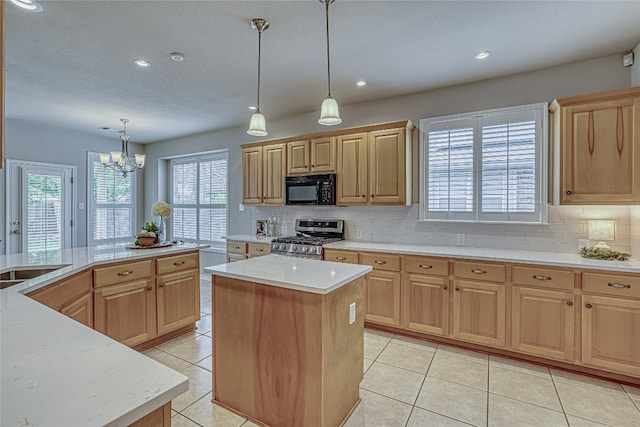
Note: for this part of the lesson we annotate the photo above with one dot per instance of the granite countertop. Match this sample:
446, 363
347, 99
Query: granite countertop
487, 254
315, 276
55, 371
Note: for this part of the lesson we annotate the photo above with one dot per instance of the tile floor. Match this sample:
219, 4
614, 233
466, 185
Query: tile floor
411, 383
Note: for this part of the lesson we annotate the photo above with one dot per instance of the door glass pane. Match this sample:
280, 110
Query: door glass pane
44, 212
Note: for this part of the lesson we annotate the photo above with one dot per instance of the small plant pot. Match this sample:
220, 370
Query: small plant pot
147, 241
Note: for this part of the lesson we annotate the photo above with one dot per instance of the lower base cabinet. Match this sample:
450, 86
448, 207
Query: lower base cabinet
611, 334
178, 300
479, 313
542, 323
427, 304
382, 297
81, 310
126, 312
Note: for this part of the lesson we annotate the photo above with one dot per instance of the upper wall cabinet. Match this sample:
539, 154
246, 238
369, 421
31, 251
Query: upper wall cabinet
596, 148
372, 164
317, 155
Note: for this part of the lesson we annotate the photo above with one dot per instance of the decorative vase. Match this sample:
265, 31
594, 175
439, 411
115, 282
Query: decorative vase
163, 236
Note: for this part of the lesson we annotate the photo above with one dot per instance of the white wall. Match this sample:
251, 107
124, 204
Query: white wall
635, 68
399, 223
25, 140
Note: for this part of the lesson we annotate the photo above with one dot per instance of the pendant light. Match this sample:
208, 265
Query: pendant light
329, 114
120, 160
257, 126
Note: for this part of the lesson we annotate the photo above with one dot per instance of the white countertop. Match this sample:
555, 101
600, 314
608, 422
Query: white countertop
250, 238
319, 277
55, 371
500, 255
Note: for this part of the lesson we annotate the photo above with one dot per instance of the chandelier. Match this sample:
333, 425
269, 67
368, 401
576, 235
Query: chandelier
121, 162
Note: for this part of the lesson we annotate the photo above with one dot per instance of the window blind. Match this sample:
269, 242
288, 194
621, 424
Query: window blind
44, 212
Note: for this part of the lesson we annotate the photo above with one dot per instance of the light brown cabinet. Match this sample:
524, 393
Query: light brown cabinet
258, 249
317, 155
72, 297
239, 250
543, 322
263, 172
382, 288
597, 148
375, 167
341, 256
178, 292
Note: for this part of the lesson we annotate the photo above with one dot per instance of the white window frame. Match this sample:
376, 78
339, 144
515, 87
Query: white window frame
476, 120
91, 206
200, 157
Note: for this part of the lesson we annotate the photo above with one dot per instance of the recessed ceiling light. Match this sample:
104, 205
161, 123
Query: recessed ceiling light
252, 107
30, 5
361, 83
142, 63
177, 56
482, 55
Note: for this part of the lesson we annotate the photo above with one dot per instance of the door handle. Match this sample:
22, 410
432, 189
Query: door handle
16, 231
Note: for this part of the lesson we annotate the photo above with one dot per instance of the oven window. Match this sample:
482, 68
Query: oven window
302, 193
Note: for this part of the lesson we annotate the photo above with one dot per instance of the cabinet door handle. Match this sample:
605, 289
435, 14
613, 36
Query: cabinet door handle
445, 287
569, 192
458, 289
178, 263
569, 303
125, 273
150, 288
535, 276
619, 285
426, 266
588, 305
161, 285
341, 258
373, 195
477, 271
313, 166
363, 196
380, 262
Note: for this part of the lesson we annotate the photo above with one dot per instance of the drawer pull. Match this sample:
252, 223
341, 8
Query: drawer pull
380, 262
569, 303
150, 288
125, 273
426, 266
588, 305
477, 271
341, 258
259, 250
178, 263
535, 276
619, 285
161, 285
236, 247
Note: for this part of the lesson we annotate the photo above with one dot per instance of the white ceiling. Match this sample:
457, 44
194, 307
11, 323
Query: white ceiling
72, 64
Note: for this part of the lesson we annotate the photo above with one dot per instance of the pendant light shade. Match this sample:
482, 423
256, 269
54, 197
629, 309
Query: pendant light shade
329, 113
258, 126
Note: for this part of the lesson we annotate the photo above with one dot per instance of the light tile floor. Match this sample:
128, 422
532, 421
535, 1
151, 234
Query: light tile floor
412, 383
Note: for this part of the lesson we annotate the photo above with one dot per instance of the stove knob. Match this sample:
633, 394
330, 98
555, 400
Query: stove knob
283, 246
312, 249
293, 248
305, 249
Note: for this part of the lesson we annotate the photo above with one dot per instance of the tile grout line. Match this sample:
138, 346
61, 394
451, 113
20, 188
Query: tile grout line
413, 407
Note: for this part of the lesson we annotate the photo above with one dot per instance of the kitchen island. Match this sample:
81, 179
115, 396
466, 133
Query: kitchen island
55, 371
288, 339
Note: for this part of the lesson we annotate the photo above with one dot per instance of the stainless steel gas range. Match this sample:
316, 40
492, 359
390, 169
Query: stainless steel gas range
311, 234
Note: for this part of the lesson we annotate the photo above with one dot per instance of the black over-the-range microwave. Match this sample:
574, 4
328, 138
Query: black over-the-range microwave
310, 189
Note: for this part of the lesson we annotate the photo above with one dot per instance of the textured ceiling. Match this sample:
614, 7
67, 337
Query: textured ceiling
72, 64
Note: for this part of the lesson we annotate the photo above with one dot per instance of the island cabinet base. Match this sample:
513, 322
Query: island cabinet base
284, 357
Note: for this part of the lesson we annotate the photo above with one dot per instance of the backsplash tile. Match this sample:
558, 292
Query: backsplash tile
399, 224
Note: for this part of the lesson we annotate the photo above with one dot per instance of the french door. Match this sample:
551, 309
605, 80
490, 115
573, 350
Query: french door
39, 216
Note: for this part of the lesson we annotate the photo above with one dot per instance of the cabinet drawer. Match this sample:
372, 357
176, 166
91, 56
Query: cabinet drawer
235, 257
341, 256
479, 271
426, 265
57, 295
236, 248
381, 261
259, 249
177, 263
121, 273
542, 276
611, 284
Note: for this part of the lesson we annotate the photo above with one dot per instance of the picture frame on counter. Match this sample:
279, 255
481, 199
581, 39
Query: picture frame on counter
261, 228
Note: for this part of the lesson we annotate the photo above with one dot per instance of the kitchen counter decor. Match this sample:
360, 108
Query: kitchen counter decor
606, 254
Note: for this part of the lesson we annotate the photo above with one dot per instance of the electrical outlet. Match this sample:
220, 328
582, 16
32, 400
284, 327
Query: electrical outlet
460, 239
241, 207
583, 243
352, 313
359, 233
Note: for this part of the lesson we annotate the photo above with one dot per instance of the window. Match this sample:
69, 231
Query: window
199, 199
111, 205
486, 166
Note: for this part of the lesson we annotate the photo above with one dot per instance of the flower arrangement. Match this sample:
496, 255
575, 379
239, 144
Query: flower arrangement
149, 234
161, 209
607, 254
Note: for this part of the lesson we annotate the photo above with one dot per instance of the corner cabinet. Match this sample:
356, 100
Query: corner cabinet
596, 152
